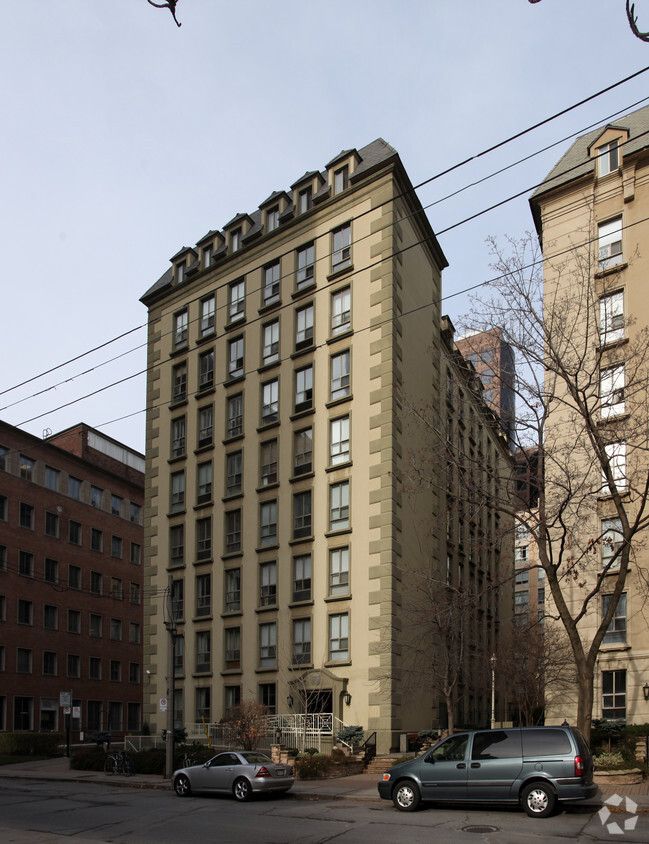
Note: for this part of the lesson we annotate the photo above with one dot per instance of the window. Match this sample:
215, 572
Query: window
233, 531
616, 631
51, 571
134, 593
115, 505
116, 591
611, 317
616, 454
96, 582
135, 513
304, 389
116, 545
341, 179
51, 524
237, 300
301, 641
339, 506
235, 240
25, 564
134, 717
206, 370
96, 540
342, 250
611, 391
235, 358
268, 644
94, 668
3, 608
614, 694
181, 326
521, 553
232, 696
270, 342
268, 584
115, 630
204, 538
303, 451
177, 492
304, 327
74, 621
268, 463
136, 554
497, 744
179, 656
272, 218
609, 242
178, 438
74, 577
25, 612
268, 523
305, 266
305, 199
74, 488
340, 375
205, 426
233, 647
177, 544
179, 382
268, 697
339, 637
271, 283
270, 402
302, 515
341, 314
522, 577
204, 594
339, 441
96, 495
52, 478
339, 571
178, 600
95, 710
611, 542
204, 483
3, 558
608, 159
302, 577
26, 468
74, 533
94, 625
234, 415
180, 273
134, 633
74, 665
208, 308
233, 590
4, 514
24, 661
50, 617
26, 516
134, 672
203, 704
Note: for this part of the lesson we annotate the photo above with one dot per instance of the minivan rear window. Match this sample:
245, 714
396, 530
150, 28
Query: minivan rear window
497, 744
546, 742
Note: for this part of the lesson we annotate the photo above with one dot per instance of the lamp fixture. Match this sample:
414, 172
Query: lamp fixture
347, 698
645, 691
289, 701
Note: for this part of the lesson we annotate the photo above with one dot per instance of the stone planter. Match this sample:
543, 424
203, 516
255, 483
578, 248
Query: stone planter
633, 776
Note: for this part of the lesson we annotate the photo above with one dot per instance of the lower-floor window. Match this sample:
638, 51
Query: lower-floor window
23, 713
339, 637
95, 715
134, 716
232, 697
268, 697
614, 694
203, 705
49, 711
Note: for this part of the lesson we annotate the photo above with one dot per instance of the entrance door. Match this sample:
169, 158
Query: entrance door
319, 701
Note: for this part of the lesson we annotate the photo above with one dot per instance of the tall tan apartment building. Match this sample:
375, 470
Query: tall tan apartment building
279, 524
591, 214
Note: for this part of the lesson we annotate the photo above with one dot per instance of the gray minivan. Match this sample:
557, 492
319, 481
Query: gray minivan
533, 766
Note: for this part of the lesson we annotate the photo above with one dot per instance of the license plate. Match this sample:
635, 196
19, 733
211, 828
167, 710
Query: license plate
280, 772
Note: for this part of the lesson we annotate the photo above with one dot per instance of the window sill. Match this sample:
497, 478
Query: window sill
179, 350
233, 439
338, 532
612, 270
269, 306
265, 669
205, 338
198, 618
265, 367
301, 604
613, 647
332, 599
204, 391
613, 344
346, 465
173, 513
301, 540
341, 400
175, 566
261, 548
229, 672
178, 403
235, 323
613, 418
298, 353
234, 496
208, 561
266, 426
300, 414
301, 666
234, 379
303, 291
232, 614
344, 335
202, 673
332, 663
340, 272
269, 608
203, 505
232, 555
302, 477
177, 459
203, 448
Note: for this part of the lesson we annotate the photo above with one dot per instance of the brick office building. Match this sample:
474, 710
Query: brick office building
70, 581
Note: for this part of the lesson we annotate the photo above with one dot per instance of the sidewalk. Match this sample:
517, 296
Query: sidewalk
357, 787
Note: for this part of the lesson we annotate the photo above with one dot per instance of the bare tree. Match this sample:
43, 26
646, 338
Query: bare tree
248, 722
171, 5
588, 421
631, 17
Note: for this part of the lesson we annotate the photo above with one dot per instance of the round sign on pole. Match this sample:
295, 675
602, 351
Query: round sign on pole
163, 704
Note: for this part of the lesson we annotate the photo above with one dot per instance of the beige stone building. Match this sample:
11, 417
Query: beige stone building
591, 213
281, 538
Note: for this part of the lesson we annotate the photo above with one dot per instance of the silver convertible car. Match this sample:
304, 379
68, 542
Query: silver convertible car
241, 773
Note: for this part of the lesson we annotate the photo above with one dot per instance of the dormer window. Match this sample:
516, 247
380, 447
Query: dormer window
235, 240
207, 256
341, 179
272, 218
180, 273
608, 158
305, 199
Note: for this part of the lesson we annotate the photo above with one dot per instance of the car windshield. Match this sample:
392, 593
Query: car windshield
255, 758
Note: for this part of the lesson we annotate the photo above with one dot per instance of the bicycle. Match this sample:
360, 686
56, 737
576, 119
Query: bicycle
118, 763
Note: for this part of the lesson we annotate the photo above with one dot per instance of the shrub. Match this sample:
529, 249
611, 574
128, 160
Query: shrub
311, 751
338, 755
351, 735
609, 762
88, 760
31, 744
311, 767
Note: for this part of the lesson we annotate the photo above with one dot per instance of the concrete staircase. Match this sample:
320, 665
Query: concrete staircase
379, 764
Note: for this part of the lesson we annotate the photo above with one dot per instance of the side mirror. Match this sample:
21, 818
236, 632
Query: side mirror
430, 759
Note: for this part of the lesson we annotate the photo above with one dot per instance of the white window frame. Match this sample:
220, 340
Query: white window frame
609, 243
270, 342
616, 453
611, 317
268, 644
237, 297
272, 278
305, 266
208, 315
236, 357
341, 303
608, 158
339, 510
612, 391
339, 637
339, 571
341, 253
341, 375
611, 540
304, 318
616, 631
339, 450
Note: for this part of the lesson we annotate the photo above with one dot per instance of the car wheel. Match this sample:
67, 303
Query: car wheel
182, 786
539, 800
242, 789
406, 796
109, 766
128, 768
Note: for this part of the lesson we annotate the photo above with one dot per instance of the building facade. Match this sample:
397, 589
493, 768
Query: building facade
71, 542
278, 524
591, 213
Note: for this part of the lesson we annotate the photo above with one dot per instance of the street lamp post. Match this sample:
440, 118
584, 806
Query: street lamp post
492, 663
169, 757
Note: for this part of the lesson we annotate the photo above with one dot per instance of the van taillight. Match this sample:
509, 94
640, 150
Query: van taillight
580, 768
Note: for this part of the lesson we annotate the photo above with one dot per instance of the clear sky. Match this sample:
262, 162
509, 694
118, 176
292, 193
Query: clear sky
125, 138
